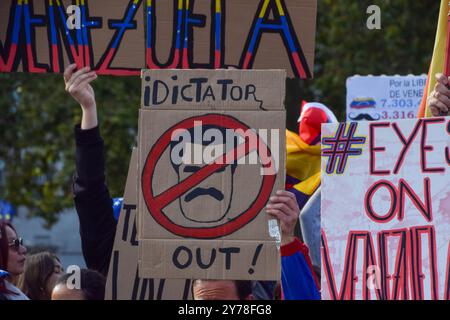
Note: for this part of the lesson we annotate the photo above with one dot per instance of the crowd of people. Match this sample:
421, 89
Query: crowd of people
41, 276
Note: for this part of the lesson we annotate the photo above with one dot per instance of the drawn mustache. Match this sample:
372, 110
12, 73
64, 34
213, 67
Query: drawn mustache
197, 192
363, 116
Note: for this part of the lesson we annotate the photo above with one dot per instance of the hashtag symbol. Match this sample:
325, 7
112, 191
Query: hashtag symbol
338, 148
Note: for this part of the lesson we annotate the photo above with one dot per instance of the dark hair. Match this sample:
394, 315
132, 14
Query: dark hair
243, 288
4, 252
38, 269
92, 283
277, 294
4, 245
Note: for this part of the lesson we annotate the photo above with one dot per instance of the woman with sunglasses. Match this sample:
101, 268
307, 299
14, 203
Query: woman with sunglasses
12, 262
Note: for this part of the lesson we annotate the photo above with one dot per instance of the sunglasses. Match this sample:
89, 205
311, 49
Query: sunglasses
16, 243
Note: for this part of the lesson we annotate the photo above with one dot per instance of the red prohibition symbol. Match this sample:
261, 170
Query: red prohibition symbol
156, 203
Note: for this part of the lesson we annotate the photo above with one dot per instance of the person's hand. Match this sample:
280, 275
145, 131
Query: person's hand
284, 207
78, 86
439, 99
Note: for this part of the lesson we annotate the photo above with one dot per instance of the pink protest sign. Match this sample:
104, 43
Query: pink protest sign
386, 210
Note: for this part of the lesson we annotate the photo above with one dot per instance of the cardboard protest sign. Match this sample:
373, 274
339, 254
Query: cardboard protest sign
384, 97
120, 37
46, 36
212, 89
206, 174
123, 282
386, 210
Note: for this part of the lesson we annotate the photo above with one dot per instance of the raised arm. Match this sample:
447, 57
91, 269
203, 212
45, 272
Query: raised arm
78, 85
91, 196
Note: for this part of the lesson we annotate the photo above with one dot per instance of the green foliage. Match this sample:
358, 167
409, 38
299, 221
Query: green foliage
345, 47
37, 116
37, 141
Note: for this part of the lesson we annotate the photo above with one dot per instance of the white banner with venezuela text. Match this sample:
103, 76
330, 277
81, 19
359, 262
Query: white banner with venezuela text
386, 210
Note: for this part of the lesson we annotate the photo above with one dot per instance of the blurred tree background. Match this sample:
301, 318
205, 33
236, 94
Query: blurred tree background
37, 116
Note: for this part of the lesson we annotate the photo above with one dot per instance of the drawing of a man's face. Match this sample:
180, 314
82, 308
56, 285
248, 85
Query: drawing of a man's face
216, 191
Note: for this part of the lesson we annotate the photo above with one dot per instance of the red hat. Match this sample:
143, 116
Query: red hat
310, 122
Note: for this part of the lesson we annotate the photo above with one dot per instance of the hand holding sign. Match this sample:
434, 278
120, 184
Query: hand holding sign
206, 172
78, 85
284, 207
439, 99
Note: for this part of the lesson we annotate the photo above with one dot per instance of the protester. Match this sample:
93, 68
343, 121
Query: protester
439, 99
91, 286
12, 261
297, 275
42, 270
222, 290
91, 196
97, 224
298, 280
303, 151
303, 164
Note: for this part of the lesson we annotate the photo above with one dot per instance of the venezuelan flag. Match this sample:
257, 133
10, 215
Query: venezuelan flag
302, 168
303, 152
439, 62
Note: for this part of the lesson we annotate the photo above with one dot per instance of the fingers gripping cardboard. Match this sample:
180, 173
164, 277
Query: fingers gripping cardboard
206, 172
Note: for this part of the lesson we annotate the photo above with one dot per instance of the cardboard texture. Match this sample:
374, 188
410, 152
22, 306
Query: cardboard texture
386, 237
123, 281
47, 45
200, 218
213, 89
120, 37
